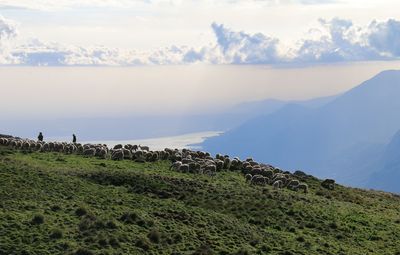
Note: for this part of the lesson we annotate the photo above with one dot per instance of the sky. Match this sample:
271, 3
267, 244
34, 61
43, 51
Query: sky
120, 57
164, 32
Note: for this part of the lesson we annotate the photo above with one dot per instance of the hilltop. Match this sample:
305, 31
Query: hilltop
53, 203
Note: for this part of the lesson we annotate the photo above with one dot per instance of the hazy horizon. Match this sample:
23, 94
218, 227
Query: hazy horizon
76, 92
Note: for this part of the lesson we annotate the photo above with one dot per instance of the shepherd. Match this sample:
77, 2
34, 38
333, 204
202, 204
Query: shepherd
73, 138
40, 137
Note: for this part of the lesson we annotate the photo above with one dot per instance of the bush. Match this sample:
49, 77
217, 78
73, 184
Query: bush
56, 234
38, 219
102, 241
81, 211
113, 242
55, 208
154, 236
300, 239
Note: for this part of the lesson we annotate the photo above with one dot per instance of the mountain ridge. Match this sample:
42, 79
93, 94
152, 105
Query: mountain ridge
358, 120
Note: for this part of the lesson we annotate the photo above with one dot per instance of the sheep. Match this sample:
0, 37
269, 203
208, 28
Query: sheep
46, 147
253, 163
258, 179
277, 184
227, 163
234, 165
25, 145
249, 159
144, 148
117, 154
267, 173
127, 153
187, 160
39, 146
184, 168
128, 146
303, 186
328, 184
219, 163
102, 153
194, 167
247, 169
89, 152
154, 156
248, 177
293, 184
118, 146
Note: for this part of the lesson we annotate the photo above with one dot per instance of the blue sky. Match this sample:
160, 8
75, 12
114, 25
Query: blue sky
174, 32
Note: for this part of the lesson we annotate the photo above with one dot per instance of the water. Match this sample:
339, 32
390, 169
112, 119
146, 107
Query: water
189, 141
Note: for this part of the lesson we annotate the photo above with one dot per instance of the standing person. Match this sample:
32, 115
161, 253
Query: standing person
40, 137
73, 138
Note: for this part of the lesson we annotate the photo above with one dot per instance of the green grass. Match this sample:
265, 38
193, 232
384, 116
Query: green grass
52, 203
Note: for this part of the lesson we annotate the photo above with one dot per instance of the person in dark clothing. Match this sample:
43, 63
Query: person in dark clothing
73, 138
40, 137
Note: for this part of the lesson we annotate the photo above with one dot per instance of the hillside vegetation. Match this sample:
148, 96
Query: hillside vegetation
52, 203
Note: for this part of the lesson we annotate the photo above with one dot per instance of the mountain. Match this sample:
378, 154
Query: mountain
341, 139
139, 127
387, 171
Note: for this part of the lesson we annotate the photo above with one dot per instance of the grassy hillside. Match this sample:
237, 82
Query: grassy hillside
52, 203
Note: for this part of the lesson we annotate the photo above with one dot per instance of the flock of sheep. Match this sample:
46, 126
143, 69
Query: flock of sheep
185, 160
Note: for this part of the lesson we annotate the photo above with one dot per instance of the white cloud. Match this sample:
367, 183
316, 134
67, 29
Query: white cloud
385, 37
336, 40
8, 31
243, 48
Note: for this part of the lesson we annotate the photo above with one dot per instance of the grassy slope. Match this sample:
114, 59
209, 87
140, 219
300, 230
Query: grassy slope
92, 206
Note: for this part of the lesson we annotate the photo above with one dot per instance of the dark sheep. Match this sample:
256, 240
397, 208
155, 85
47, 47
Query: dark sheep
328, 184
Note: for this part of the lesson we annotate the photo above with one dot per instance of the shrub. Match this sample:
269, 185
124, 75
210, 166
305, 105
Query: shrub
56, 234
113, 241
55, 208
81, 211
154, 236
38, 219
102, 241
300, 239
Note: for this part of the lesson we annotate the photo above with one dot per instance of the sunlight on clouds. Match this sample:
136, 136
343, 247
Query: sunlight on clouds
337, 40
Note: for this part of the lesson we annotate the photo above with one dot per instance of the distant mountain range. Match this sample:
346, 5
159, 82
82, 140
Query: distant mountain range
344, 138
140, 127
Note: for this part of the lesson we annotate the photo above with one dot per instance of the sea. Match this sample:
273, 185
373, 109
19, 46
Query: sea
189, 141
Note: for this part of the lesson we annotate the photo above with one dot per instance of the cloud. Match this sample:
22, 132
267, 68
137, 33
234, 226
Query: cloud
385, 37
337, 40
342, 42
8, 31
244, 48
